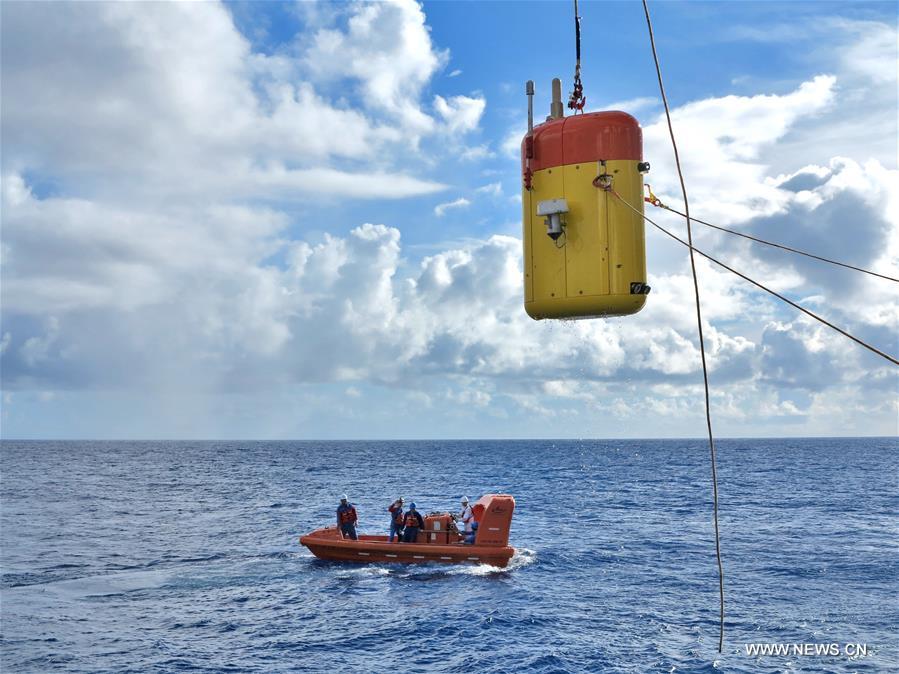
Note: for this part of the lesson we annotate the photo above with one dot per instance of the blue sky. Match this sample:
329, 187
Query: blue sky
278, 220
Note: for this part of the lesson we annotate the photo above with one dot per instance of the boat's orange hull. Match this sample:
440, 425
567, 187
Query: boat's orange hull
327, 543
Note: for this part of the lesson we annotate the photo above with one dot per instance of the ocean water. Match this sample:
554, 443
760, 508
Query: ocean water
183, 556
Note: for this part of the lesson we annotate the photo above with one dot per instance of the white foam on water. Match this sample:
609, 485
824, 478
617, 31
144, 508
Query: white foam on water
364, 571
475, 570
522, 558
107, 584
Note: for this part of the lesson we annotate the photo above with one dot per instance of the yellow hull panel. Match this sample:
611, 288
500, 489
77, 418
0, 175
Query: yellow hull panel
598, 266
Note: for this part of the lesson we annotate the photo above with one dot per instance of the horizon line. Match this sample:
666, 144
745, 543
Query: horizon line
480, 439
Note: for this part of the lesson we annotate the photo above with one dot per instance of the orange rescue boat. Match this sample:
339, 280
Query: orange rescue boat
438, 541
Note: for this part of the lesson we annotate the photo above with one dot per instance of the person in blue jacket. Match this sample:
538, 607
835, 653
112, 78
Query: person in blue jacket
412, 522
347, 518
396, 519
471, 535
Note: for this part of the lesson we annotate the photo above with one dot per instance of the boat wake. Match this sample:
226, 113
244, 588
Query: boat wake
522, 558
364, 572
427, 571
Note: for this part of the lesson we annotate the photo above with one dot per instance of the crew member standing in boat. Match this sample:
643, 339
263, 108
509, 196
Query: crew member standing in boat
472, 535
347, 518
413, 522
467, 515
396, 519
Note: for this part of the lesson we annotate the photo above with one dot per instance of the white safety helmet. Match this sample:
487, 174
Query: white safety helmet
343, 497
465, 500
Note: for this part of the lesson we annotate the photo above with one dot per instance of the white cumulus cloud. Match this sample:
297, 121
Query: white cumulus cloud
167, 260
441, 209
460, 113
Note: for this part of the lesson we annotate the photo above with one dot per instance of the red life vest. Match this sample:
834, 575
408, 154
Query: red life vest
398, 517
412, 520
347, 516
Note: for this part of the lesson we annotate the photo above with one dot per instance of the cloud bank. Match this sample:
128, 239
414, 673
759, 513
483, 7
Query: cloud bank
151, 253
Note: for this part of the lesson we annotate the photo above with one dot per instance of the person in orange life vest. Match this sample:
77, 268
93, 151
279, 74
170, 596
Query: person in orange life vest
396, 519
347, 518
412, 523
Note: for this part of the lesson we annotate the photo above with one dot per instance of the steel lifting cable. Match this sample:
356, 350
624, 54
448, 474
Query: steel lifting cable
705, 373
577, 101
655, 202
762, 286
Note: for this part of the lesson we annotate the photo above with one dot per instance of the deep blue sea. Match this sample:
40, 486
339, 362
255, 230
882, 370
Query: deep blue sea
183, 556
